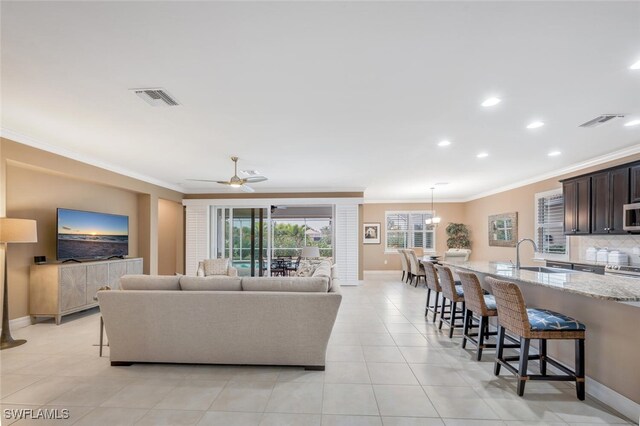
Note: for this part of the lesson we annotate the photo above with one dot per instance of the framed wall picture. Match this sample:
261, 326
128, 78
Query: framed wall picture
371, 233
503, 230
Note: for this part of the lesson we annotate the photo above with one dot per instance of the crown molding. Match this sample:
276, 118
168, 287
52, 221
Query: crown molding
612, 156
412, 201
35, 143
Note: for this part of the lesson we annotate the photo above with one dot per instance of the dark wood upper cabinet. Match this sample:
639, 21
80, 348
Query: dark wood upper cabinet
635, 183
609, 192
577, 206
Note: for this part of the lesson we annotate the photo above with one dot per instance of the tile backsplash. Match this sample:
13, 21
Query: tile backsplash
623, 243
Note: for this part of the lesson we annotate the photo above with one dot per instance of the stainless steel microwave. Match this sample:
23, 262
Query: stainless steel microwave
631, 217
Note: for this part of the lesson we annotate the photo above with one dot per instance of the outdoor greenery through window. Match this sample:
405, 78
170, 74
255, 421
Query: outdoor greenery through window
291, 235
407, 229
550, 236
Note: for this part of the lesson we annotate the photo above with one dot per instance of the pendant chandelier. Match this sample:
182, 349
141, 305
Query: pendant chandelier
434, 220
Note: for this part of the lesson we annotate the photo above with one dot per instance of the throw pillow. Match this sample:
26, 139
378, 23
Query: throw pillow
306, 268
216, 267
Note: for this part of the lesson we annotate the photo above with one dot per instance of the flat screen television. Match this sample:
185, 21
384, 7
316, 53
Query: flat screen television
91, 235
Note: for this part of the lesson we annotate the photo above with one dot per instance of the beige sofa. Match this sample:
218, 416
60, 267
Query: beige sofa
201, 320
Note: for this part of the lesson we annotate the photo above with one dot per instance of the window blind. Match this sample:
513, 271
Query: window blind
407, 229
549, 223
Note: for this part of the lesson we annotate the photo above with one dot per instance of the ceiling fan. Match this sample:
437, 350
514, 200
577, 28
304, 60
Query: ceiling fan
236, 181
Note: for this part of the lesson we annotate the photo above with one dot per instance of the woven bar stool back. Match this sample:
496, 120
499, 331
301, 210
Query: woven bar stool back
448, 284
512, 311
433, 282
473, 295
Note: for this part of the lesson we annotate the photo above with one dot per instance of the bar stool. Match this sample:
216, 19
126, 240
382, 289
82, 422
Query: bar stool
483, 306
542, 324
455, 295
433, 284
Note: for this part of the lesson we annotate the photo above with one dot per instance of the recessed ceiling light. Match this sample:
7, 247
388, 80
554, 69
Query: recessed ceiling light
535, 125
491, 102
554, 153
444, 143
632, 123
441, 183
482, 155
635, 66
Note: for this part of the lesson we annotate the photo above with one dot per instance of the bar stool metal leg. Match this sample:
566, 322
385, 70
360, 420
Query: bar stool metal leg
580, 368
543, 356
499, 349
524, 361
465, 329
481, 334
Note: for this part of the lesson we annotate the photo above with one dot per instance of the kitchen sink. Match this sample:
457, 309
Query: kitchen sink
546, 270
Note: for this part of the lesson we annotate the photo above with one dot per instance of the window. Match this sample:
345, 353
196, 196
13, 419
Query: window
550, 238
407, 229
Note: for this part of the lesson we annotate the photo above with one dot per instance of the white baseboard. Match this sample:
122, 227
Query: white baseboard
613, 399
21, 322
383, 271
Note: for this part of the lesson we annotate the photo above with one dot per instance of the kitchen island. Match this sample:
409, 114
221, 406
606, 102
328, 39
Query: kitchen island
610, 308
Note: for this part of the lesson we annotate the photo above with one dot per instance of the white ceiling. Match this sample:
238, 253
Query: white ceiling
324, 95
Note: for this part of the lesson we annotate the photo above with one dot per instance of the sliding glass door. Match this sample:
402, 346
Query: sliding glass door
242, 235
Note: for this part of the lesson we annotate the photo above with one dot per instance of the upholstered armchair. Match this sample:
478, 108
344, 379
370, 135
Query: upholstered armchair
457, 255
216, 267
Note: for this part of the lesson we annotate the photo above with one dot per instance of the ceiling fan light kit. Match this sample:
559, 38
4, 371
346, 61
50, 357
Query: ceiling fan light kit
236, 181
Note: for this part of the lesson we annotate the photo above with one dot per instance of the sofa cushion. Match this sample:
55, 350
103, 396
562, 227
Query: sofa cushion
215, 267
286, 284
150, 282
213, 283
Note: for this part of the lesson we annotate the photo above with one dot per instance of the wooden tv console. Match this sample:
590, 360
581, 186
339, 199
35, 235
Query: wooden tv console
59, 289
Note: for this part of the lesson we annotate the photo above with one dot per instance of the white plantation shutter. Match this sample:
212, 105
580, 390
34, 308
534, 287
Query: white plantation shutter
346, 244
407, 229
550, 236
196, 237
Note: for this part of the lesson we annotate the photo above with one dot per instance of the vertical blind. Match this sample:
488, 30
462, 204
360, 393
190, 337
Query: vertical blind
549, 223
407, 229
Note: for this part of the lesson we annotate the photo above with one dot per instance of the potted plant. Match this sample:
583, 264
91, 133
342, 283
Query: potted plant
458, 236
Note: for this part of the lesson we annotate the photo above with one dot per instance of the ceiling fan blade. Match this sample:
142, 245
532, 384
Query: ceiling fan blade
223, 182
201, 180
255, 179
246, 188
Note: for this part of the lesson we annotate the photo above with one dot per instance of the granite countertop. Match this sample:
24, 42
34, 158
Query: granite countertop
620, 289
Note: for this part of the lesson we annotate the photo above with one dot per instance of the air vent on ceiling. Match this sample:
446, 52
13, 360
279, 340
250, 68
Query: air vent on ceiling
600, 120
156, 97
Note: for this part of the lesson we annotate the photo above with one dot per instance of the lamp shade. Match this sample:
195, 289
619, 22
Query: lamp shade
18, 230
310, 252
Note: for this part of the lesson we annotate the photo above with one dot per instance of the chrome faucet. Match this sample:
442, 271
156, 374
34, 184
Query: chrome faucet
535, 248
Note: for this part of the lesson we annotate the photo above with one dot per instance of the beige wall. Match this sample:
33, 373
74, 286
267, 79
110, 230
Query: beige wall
374, 257
34, 182
36, 195
170, 237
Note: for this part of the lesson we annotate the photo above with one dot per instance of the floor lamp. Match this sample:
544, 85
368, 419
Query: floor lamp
13, 231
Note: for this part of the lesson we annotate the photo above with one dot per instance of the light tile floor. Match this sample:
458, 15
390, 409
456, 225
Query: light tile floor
386, 365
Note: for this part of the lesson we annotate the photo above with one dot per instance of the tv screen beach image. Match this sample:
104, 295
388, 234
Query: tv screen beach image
89, 235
